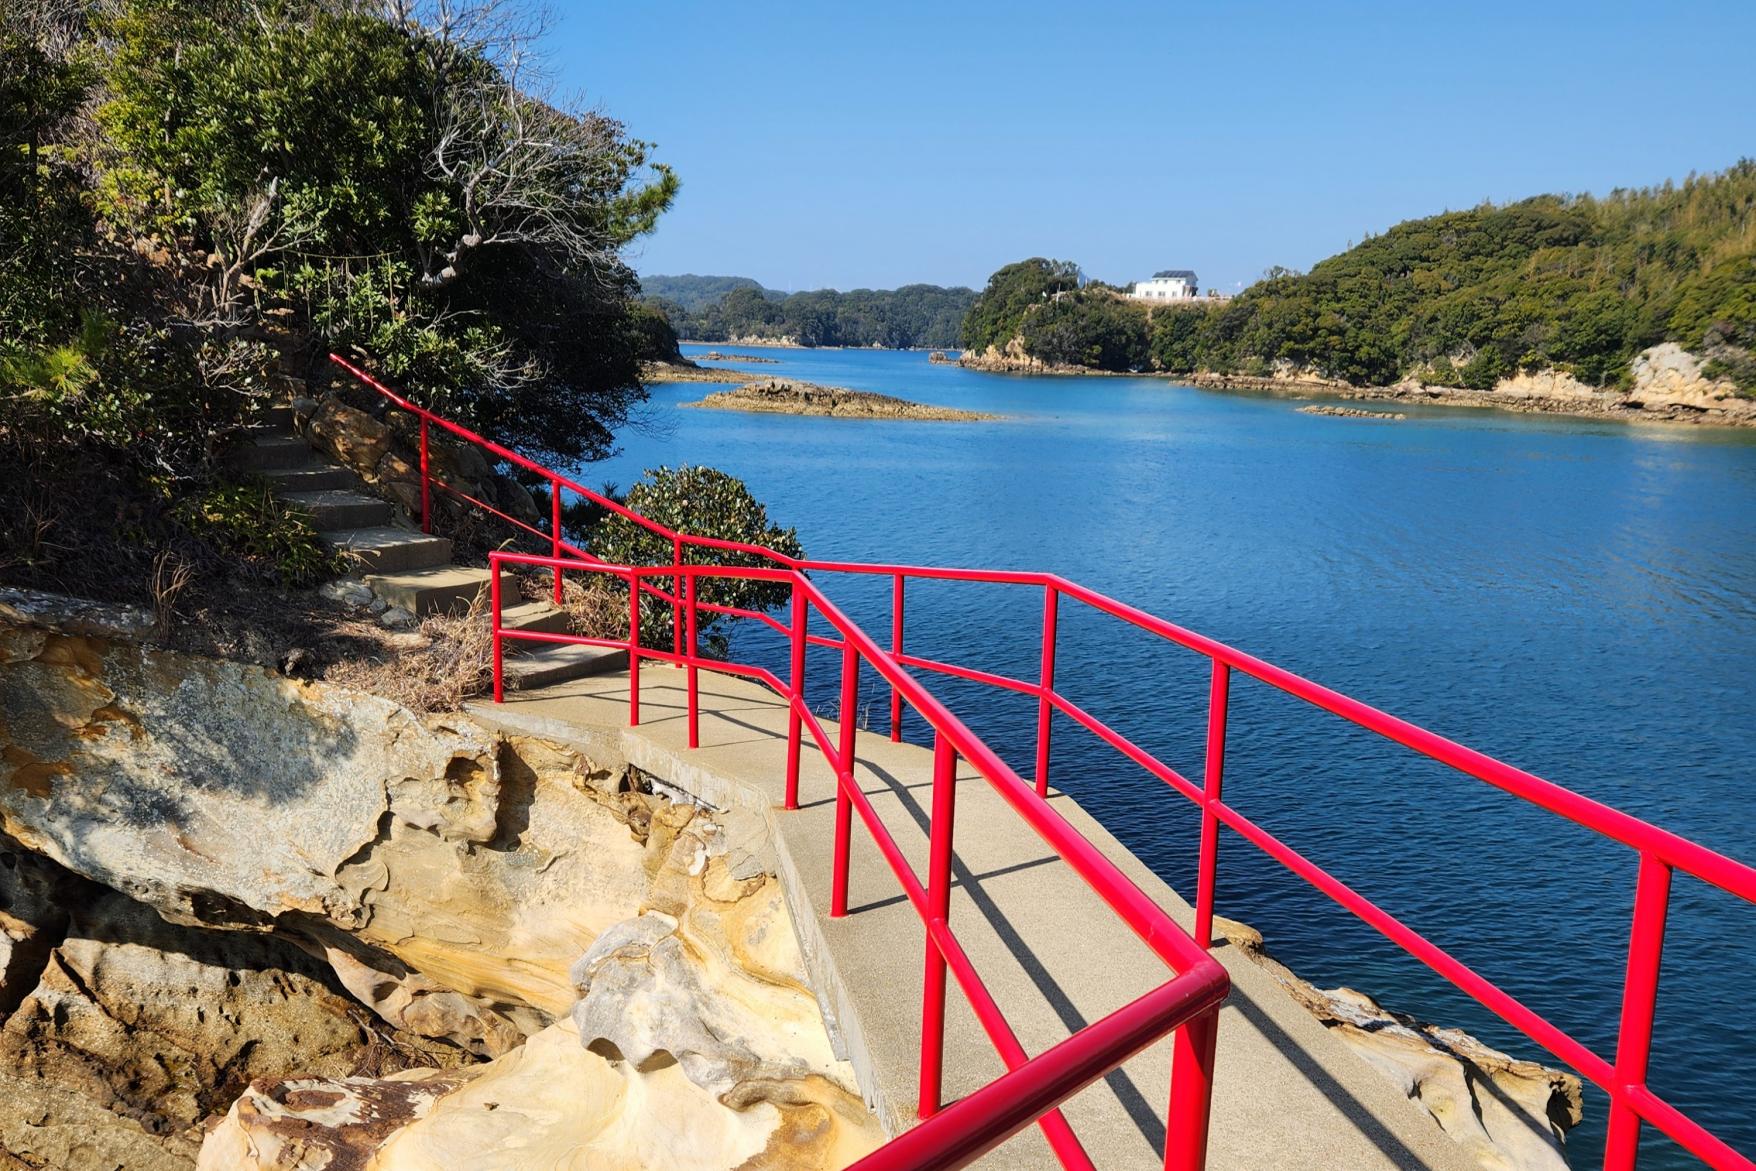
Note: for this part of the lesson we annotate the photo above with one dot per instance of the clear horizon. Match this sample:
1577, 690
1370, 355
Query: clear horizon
845, 147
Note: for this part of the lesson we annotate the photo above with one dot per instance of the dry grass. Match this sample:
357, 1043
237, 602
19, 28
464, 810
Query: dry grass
450, 659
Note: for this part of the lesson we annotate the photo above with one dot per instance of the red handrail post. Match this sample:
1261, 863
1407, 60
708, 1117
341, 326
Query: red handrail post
1192, 1050
896, 649
796, 680
426, 483
494, 622
1045, 710
676, 596
844, 804
938, 910
555, 531
1212, 781
633, 649
694, 671
1652, 896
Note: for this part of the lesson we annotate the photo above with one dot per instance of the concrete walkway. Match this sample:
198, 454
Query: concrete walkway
1055, 958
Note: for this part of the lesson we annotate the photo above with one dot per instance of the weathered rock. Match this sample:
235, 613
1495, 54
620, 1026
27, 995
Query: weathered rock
227, 795
1510, 1115
311, 1123
1669, 375
398, 618
68, 615
348, 590
138, 1030
35, 897
350, 435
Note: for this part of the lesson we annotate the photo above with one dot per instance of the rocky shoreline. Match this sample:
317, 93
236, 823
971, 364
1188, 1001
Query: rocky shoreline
804, 398
1669, 386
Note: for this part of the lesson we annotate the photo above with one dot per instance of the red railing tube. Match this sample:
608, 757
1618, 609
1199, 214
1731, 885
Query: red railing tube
1212, 783
896, 649
494, 625
938, 910
677, 593
633, 649
426, 484
1192, 1050
1045, 709
1646, 938
693, 671
796, 683
844, 804
555, 531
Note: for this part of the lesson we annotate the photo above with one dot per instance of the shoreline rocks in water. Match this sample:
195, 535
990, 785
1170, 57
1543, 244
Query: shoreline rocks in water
716, 356
690, 372
1349, 412
804, 398
1509, 1114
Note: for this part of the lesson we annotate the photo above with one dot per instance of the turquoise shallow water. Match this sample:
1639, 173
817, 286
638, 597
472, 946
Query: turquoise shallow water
1576, 597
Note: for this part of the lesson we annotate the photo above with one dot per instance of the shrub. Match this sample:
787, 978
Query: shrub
702, 502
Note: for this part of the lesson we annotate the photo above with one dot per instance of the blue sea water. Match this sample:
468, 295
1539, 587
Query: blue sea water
1575, 597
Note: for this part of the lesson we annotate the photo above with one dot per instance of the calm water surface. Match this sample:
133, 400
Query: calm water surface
1577, 598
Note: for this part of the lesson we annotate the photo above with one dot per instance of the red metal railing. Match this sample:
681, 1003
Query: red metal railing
1622, 1077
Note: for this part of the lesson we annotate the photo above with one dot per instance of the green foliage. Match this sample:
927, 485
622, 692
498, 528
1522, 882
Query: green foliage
1093, 328
702, 502
912, 316
998, 313
247, 522
692, 293
1572, 283
395, 182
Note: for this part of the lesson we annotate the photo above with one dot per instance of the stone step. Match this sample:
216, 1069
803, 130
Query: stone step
340, 508
385, 549
558, 663
271, 451
439, 589
279, 417
312, 477
533, 616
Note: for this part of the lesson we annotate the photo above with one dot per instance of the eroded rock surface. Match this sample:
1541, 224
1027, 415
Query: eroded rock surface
137, 1030
1510, 1115
331, 908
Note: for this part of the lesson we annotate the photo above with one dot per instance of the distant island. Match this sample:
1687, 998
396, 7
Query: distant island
730, 310
804, 398
1639, 304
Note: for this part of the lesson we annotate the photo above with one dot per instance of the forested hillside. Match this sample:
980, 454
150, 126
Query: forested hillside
695, 293
1571, 283
912, 316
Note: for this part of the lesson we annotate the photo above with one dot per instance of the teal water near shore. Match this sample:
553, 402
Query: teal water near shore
1576, 597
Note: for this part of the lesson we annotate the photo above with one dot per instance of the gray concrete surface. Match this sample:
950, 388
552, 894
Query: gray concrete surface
1288, 1096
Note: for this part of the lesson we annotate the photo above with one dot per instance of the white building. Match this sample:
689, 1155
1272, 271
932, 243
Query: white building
1173, 284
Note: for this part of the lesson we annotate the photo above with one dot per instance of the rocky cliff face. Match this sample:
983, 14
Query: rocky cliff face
304, 909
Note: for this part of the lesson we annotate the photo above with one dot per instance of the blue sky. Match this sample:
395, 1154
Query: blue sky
874, 144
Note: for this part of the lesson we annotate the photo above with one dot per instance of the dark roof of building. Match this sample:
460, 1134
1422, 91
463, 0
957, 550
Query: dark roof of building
1186, 274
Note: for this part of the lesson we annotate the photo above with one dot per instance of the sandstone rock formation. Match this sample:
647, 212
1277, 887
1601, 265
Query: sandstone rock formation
137, 1030
1510, 1115
321, 892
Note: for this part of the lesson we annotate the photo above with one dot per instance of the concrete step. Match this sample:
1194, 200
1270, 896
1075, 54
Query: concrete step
385, 549
340, 508
279, 417
265, 452
533, 616
438, 589
558, 663
312, 477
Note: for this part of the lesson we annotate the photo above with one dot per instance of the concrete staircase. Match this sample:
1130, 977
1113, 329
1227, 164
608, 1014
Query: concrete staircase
400, 564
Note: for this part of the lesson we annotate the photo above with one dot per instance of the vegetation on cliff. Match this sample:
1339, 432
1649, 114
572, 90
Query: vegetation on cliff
912, 316
1570, 283
198, 199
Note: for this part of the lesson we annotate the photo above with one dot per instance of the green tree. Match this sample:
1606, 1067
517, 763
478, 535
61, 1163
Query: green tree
1011, 292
